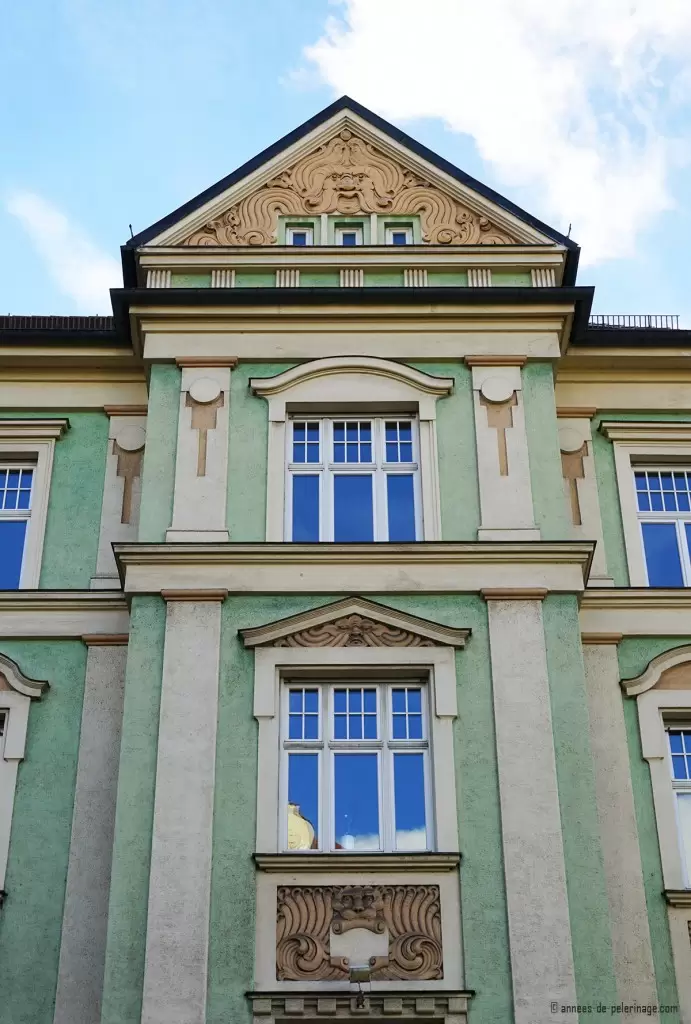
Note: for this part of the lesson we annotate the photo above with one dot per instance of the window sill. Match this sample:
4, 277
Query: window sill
273, 862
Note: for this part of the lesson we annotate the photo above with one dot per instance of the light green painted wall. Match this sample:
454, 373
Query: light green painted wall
585, 876
249, 433
458, 478
129, 892
255, 279
31, 919
384, 278
76, 493
549, 504
441, 278
634, 655
326, 279
190, 280
158, 475
511, 280
608, 493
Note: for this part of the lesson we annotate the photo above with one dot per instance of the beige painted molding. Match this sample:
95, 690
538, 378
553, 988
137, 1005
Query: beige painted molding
268, 386
650, 677
450, 1006
517, 594
105, 639
73, 614
125, 410
33, 429
602, 638
439, 634
576, 412
636, 611
491, 360
194, 595
357, 862
678, 897
230, 361
666, 433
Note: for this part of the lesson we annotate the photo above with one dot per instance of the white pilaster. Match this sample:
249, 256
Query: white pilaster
538, 914
631, 945
85, 915
580, 491
175, 974
506, 499
122, 492
201, 467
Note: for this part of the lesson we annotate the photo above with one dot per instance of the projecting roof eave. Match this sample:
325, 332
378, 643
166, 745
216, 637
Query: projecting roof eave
345, 103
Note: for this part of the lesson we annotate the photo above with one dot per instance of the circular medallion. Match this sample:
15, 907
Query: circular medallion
204, 390
569, 439
497, 389
131, 438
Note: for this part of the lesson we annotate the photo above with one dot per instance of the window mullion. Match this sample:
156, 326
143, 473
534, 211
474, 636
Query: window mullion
380, 526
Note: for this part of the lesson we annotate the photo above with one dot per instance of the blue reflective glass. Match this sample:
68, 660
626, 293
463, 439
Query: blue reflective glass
683, 500
356, 801
355, 700
415, 701
391, 431
352, 453
679, 767
299, 451
351, 431
313, 453
24, 499
11, 499
687, 532
353, 513
401, 506
656, 501
399, 237
11, 553
680, 481
349, 238
398, 701
305, 508
299, 238
340, 727
13, 478
295, 701
667, 482
414, 727
662, 555
339, 700
3, 478
399, 727
312, 431
339, 431
311, 701
370, 701
370, 727
311, 727
406, 452
299, 431
643, 502
339, 452
409, 801
365, 453
303, 801
355, 727
365, 431
295, 727
675, 742
391, 451
669, 501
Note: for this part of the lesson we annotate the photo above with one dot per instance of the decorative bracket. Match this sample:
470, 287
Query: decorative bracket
204, 398
499, 416
573, 471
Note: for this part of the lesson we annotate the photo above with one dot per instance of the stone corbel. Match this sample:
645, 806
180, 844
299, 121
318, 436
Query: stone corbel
580, 488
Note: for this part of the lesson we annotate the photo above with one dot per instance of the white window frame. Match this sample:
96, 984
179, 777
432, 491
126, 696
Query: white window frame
332, 383
327, 469
326, 747
679, 786
678, 519
32, 442
308, 231
14, 703
357, 229
391, 229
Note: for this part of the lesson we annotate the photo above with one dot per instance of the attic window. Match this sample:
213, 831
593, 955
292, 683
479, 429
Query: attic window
399, 235
349, 235
299, 235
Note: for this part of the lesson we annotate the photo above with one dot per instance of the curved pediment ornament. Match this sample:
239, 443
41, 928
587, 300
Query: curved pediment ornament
12, 678
354, 631
670, 670
349, 176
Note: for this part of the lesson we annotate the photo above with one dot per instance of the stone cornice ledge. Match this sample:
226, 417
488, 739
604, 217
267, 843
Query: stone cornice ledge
277, 863
678, 898
433, 567
62, 613
339, 1003
635, 611
646, 431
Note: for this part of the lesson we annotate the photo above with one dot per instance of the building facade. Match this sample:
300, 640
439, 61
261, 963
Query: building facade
345, 622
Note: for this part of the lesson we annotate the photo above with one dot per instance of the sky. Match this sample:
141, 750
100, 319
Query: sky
115, 112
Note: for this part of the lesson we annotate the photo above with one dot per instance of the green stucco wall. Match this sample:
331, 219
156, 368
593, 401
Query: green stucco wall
549, 506
510, 279
384, 278
255, 279
585, 875
442, 279
129, 891
457, 453
635, 654
31, 918
317, 279
158, 474
190, 280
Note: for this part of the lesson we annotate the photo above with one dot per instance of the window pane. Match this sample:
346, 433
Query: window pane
306, 442
401, 506
409, 801
303, 801
360, 720
303, 717
299, 238
353, 510
662, 555
305, 508
399, 237
12, 536
356, 800
684, 815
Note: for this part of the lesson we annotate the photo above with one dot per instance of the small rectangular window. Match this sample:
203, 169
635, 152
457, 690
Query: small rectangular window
348, 235
16, 486
399, 235
360, 781
679, 740
663, 497
299, 235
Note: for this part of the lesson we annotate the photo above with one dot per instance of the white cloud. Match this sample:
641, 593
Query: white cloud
79, 268
575, 99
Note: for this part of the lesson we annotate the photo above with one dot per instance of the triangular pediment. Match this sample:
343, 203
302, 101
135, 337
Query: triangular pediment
347, 164
354, 622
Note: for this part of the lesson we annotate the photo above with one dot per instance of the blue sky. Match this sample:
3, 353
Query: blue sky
117, 111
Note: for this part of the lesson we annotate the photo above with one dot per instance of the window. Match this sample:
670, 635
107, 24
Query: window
16, 486
353, 479
299, 235
355, 771
399, 235
349, 235
663, 498
679, 739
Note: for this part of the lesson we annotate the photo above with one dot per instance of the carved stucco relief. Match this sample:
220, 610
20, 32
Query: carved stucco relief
348, 176
354, 631
308, 918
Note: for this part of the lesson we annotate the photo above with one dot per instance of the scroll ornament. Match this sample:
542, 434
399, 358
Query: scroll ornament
354, 631
349, 176
307, 916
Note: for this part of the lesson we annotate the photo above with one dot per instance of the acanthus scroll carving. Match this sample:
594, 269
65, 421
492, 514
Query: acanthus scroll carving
348, 175
308, 916
353, 631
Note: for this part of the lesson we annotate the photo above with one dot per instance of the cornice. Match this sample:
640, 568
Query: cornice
61, 600
32, 429
644, 432
267, 386
678, 898
652, 598
277, 863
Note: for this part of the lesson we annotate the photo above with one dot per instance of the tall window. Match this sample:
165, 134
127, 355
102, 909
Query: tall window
16, 486
352, 479
355, 769
680, 757
664, 512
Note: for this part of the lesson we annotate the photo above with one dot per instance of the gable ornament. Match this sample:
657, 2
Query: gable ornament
353, 631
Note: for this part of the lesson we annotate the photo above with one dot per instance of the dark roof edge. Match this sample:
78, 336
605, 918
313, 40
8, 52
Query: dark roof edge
343, 103
633, 337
